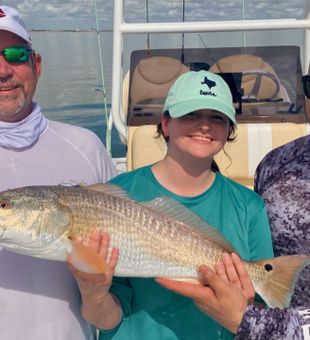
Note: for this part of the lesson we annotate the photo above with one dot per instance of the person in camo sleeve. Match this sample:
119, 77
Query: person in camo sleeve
283, 180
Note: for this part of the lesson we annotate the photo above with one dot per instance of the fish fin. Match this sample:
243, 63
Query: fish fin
278, 289
108, 189
169, 207
85, 259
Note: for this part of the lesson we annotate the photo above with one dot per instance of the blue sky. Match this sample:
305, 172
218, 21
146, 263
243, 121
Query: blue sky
71, 14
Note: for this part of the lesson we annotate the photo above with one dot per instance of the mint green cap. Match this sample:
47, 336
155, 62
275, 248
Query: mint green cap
197, 90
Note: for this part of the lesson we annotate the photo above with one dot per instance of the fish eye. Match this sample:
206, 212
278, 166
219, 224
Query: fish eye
4, 204
268, 267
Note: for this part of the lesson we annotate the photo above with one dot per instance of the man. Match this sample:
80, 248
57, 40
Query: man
283, 180
38, 299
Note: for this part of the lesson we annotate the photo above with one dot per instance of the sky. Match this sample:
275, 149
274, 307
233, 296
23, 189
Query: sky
80, 14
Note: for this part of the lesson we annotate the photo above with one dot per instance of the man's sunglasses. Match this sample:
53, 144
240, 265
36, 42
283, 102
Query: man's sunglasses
16, 54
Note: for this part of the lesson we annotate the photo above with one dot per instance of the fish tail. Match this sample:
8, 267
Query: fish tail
283, 272
86, 259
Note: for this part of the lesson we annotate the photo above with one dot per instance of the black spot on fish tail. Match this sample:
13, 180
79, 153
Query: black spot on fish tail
4, 204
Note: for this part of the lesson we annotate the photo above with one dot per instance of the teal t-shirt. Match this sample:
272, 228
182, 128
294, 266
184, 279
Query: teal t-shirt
151, 312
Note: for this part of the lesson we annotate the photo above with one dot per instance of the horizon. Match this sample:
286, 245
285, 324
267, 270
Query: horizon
80, 14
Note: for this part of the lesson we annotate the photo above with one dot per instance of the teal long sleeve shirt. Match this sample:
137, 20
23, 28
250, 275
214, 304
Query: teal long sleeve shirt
151, 312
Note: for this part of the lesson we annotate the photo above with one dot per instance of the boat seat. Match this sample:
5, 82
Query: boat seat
240, 158
144, 146
260, 82
149, 85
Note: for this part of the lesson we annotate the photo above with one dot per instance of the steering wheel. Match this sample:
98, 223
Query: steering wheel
252, 95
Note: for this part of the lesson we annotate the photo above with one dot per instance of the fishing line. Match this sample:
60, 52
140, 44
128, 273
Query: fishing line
106, 113
243, 18
148, 43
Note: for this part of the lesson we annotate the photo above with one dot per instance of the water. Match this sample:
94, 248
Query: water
70, 88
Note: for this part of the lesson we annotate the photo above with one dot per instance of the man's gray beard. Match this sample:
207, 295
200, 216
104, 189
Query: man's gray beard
11, 112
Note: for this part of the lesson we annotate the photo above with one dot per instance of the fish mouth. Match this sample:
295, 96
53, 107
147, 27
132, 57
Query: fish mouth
30, 249
7, 241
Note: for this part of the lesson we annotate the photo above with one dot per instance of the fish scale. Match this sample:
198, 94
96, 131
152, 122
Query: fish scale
172, 250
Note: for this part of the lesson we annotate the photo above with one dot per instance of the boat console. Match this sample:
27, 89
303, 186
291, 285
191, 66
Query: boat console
266, 81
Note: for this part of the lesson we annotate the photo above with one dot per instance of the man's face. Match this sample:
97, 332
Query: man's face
17, 81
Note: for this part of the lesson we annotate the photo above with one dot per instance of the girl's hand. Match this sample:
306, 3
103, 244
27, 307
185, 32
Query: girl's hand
99, 306
233, 271
223, 294
99, 243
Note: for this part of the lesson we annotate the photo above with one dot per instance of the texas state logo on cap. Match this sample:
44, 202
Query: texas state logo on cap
198, 90
11, 21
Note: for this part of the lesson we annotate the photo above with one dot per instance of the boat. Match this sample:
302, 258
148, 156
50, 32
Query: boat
266, 82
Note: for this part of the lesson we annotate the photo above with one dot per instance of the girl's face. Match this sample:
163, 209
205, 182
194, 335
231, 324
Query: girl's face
201, 134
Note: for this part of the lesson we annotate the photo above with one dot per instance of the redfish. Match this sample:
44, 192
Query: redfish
160, 238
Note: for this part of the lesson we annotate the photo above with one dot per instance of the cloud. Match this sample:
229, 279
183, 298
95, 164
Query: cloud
65, 14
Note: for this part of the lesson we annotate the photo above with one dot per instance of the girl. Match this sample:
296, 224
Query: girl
198, 119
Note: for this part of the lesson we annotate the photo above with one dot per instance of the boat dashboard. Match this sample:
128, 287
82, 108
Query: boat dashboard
265, 81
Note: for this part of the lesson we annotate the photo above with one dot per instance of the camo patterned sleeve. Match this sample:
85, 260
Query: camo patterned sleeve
283, 181
275, 324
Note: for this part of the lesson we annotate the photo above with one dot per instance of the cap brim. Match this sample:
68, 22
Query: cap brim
25, 38
191, 105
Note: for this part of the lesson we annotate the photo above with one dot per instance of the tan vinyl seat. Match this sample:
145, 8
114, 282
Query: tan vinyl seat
253, 142
144, 146
150, 83
153, 77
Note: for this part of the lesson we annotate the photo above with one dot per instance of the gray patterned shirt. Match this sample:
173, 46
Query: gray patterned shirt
283, 180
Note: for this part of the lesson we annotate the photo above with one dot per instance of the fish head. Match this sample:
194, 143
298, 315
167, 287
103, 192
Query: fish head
31, 219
